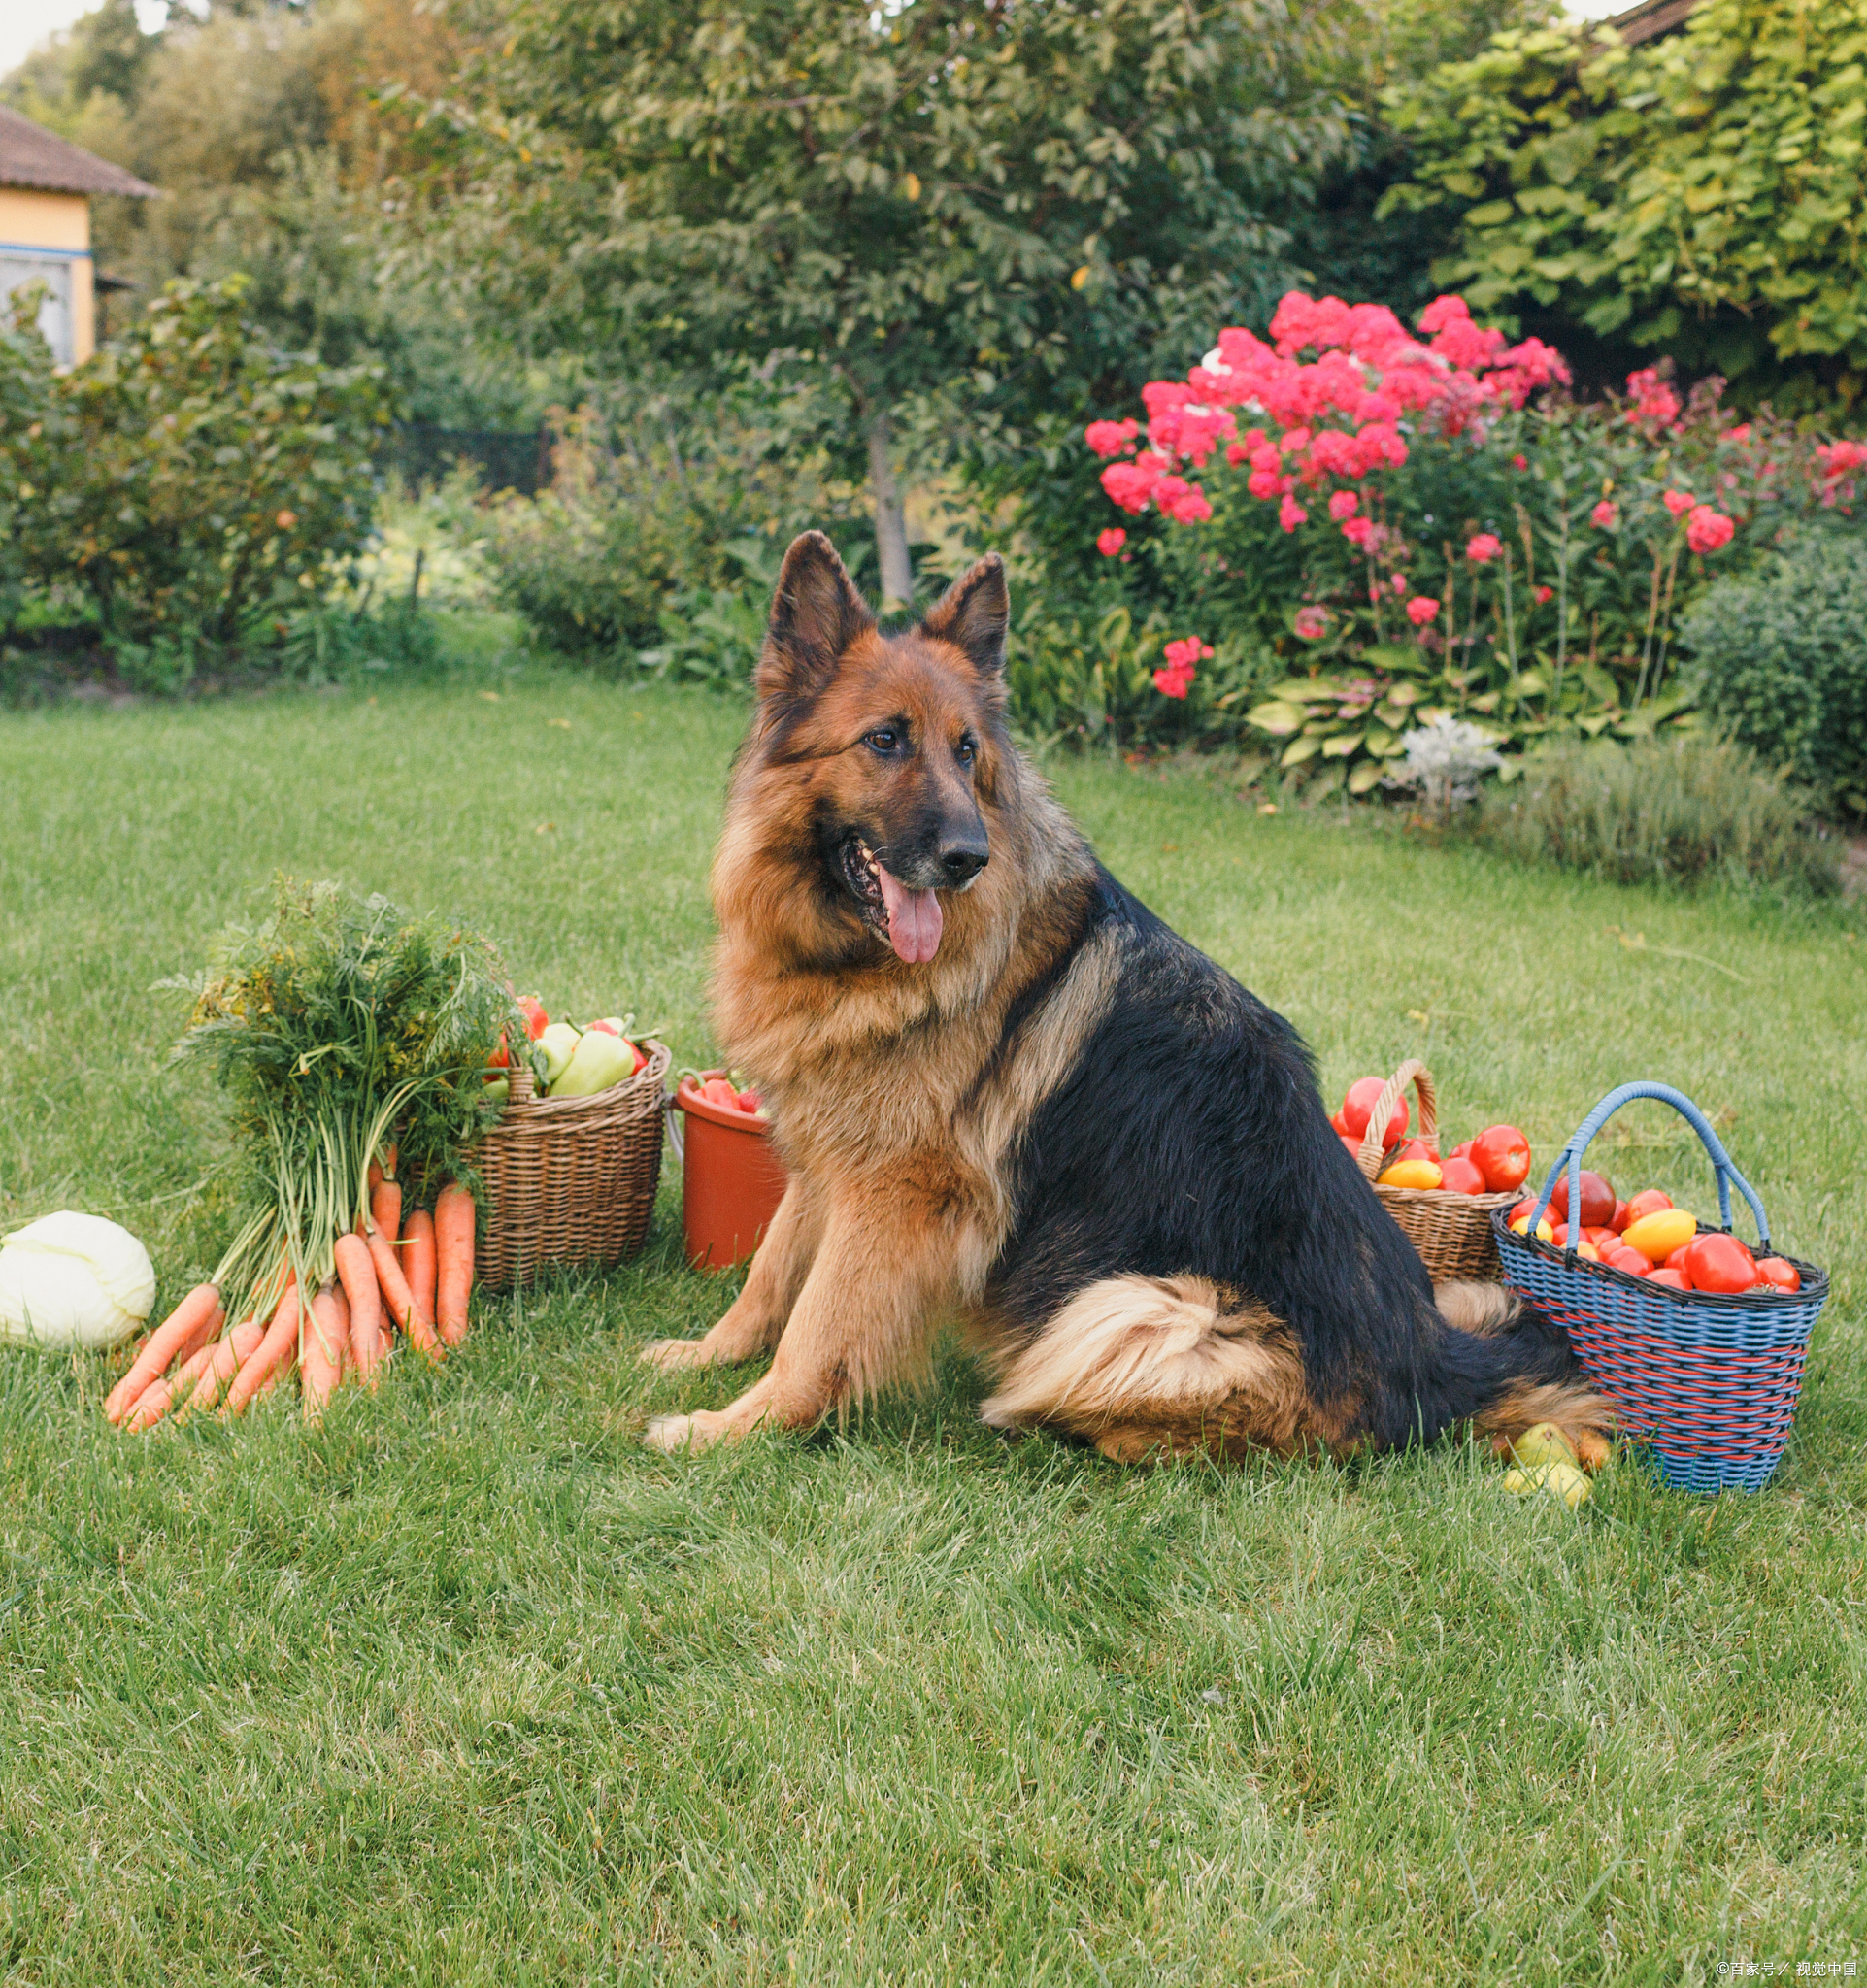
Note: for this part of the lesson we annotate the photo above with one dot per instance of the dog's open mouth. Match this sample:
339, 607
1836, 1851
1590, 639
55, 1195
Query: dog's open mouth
910, 921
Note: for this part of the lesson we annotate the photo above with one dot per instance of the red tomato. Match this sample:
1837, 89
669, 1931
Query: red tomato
1677, 1261
1649, 1204
1597, 1198
748, 1101
1414, 1149
1717, 1262
1523, 1208
501, 1057
1459, 1176
1363, 1096
1630, 1260
1602, 1237
1674, 1279
1463, 1150
1334, 1121
1559, 1235
1620, 1219
1501, 1155
1353, 1146
1779, 1272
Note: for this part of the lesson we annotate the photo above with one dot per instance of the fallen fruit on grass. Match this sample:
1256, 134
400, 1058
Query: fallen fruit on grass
1657, 1235
1643, 1204
1716, 1262
1459, 1176
1597, 1198
1559, 1479
1779, 1272
1363, 1096
1417, 1173
1501, 1155
1543, 1443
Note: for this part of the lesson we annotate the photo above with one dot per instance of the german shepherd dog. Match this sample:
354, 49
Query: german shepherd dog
1007, 1094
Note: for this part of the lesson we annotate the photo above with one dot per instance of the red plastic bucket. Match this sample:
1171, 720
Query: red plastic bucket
732, 1179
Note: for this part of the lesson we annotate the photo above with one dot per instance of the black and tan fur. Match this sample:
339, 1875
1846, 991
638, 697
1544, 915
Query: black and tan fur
1068, 1129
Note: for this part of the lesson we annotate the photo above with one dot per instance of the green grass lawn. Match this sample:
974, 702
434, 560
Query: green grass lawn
466, 1685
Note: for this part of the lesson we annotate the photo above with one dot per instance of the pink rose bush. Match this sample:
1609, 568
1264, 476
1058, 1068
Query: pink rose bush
1463, 536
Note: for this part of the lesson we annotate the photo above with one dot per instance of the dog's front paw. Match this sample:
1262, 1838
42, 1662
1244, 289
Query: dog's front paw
669, 1355
671, 1434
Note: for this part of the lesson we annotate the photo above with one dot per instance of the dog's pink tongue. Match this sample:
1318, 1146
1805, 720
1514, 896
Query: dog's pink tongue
913, 920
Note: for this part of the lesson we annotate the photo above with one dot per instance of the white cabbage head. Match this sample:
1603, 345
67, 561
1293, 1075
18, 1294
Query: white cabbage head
74, 1280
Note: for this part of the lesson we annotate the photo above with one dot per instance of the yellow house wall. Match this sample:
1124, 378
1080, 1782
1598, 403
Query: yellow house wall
34, 219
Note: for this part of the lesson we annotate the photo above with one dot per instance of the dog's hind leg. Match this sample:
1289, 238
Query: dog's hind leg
1141, 1366
891, 1265
755, 1321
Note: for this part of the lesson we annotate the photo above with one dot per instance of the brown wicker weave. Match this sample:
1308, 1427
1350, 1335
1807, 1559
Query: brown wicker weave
571, 1179
1452, 1231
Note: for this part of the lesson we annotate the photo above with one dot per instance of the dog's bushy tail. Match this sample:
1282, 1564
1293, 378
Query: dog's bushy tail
1515, 1369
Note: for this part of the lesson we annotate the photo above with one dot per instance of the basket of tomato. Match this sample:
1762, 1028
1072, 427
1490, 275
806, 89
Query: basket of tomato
1442, 1206
731, 1177
1698, 1340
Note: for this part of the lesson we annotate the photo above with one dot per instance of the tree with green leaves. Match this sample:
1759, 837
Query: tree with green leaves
950, 214
1703, 194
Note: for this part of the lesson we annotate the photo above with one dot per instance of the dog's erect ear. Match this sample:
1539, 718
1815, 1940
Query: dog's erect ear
817, 613
973, 614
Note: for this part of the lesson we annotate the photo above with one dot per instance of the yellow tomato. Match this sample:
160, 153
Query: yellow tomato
1657, 1235
1521, 1227
1412, 1174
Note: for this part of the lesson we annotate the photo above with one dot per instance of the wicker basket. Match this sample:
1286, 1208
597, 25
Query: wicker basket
571, 1179
1452, 1231
1708, 1380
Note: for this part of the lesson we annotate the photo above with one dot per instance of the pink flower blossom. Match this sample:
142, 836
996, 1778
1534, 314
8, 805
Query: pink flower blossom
1605, 516
1173, 682
1483, 547
1236, 452
1359, 531
1678, 502
1519, 462
1265, 485
1400, 582
1344, 504
1312, 623
1290, 514
1654, 402
1110, 542
1740, 434
1544, 593
1112, 438
1706, 530
1131, 485
1420, 610
1184, 653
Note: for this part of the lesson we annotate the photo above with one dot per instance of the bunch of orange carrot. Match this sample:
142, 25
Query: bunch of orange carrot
386, 1279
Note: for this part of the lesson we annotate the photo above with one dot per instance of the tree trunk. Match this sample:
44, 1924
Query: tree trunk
890, 526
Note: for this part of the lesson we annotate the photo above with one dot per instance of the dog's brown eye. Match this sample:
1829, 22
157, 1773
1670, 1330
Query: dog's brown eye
883, 740
968, 751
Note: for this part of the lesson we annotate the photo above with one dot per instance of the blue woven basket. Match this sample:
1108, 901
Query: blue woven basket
1710, 1380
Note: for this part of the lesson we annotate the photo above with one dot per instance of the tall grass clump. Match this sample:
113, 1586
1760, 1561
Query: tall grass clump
1681, 810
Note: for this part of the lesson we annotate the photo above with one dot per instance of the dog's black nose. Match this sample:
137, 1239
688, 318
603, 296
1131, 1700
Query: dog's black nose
962, 861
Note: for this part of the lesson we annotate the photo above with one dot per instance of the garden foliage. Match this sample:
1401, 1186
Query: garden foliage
1680, 811
1404, 526
1780, 661
190, 486
1700, 194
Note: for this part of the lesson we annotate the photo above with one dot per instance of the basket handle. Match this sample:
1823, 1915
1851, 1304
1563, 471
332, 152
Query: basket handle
676, 1131
1571, 1156
1414, 1072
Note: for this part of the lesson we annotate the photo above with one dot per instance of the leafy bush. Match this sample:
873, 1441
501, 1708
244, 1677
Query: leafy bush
190, 484
1780, 660
1427, 524
1665, 810
640, 513
1699, 193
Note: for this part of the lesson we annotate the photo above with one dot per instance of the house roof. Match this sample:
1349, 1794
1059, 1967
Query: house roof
1651, 20
30, 155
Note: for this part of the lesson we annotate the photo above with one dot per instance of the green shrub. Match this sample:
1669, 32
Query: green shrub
1780, 661
190, 483
1681, 809
640, 515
